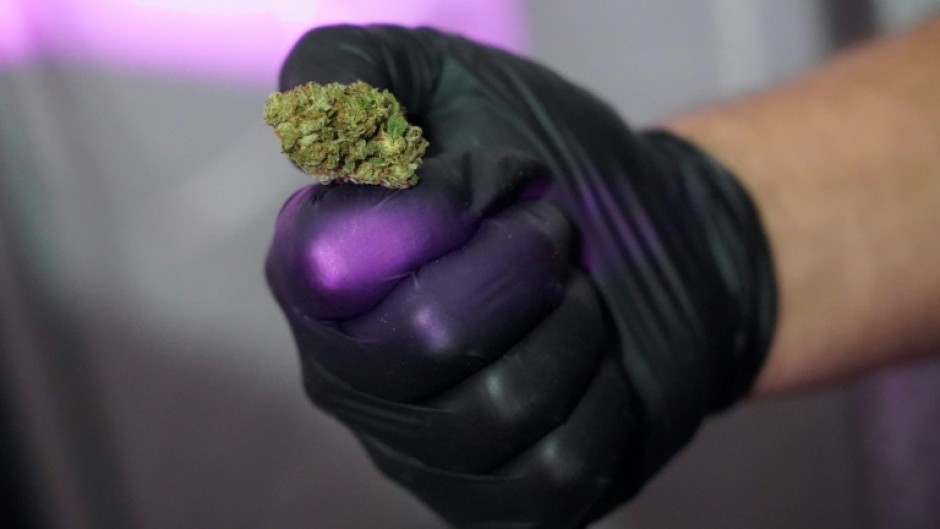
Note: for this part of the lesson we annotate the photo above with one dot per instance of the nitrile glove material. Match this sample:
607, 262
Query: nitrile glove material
532, 331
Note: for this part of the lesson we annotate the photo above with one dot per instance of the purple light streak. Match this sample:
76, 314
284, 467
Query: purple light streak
242, 39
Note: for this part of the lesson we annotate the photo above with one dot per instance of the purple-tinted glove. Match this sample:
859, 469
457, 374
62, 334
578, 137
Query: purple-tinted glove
526, 336
443, 325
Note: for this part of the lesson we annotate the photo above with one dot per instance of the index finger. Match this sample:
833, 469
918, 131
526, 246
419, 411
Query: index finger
462, 94
387, 57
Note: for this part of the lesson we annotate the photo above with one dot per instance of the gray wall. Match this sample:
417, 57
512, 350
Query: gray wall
652, 59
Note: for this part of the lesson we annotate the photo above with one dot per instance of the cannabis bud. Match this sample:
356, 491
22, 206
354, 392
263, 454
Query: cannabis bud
347, 133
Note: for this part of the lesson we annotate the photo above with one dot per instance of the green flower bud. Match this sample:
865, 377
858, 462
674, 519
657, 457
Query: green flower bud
347, 133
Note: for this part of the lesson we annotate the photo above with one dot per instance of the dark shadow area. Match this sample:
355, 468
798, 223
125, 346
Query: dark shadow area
849, 22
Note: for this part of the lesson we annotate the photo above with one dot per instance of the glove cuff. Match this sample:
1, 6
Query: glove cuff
742, 254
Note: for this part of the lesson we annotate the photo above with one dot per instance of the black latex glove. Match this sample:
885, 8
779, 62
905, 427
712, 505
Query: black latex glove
526, 336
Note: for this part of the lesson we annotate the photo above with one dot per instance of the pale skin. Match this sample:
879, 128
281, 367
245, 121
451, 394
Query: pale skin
844, 166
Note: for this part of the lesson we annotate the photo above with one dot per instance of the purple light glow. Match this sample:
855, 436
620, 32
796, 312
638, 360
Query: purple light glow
373, 247
434, 330
15, 42
231, 38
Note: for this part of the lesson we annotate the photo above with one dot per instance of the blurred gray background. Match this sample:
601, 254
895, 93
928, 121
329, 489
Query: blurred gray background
151, 382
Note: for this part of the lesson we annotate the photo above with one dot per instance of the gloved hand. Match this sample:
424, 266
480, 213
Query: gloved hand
530, 333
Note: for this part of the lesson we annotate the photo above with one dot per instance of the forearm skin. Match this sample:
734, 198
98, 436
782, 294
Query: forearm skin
844, 165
